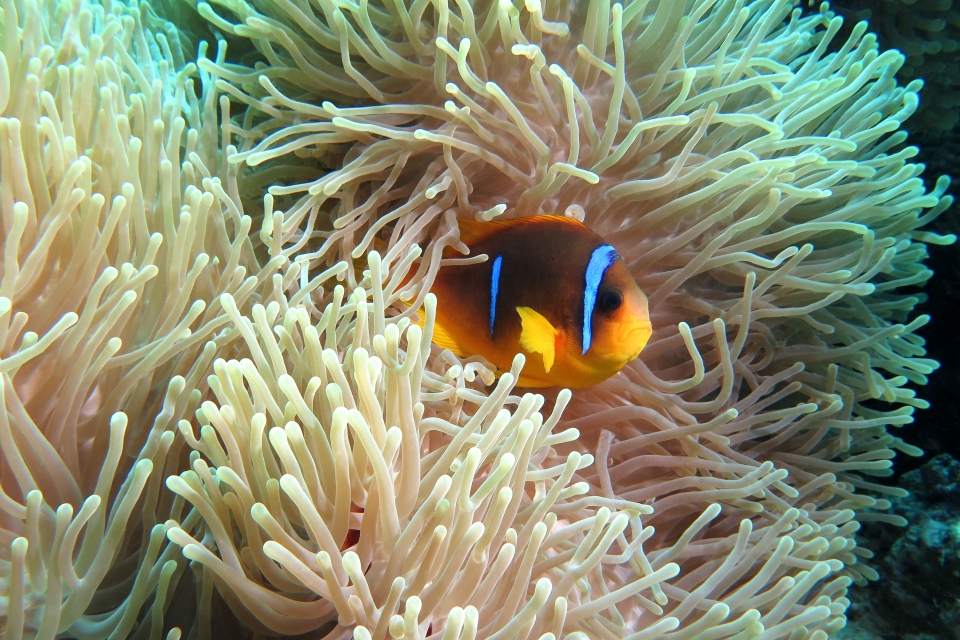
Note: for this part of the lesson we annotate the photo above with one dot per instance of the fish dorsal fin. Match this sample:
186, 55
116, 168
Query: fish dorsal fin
538, 336
472, 231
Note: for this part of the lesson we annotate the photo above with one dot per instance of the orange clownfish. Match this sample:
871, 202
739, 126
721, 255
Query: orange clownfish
550, 288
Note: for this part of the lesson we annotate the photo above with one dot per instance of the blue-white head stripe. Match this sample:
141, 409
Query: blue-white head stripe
600, 260
494, 289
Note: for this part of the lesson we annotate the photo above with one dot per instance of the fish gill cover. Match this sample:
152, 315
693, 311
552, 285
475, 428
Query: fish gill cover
218, 418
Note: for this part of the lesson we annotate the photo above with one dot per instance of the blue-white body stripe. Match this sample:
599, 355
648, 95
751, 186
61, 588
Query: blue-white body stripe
600, 260
494, 289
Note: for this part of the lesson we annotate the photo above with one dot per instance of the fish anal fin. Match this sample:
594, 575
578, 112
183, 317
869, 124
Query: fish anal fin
537, 335
444, 340
441, 337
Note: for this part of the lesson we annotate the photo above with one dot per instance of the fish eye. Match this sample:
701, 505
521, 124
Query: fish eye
611, 300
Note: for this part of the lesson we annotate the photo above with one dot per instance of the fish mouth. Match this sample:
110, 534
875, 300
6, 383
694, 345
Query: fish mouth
636, 337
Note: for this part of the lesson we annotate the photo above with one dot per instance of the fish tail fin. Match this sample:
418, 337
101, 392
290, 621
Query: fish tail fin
538, 336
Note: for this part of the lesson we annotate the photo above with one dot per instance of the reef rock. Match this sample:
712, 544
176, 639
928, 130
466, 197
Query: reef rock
918, 594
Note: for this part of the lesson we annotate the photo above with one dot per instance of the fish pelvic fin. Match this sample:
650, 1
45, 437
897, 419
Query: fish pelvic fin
537, 335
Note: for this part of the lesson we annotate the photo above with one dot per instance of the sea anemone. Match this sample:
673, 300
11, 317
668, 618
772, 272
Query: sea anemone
120, 232
299, 446
927, 32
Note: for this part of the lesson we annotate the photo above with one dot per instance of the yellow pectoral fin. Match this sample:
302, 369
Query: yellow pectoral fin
538, 336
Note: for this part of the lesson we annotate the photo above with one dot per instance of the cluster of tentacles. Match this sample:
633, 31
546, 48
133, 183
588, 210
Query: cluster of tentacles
222, 411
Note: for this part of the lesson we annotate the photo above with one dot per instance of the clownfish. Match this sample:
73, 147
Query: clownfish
550, 288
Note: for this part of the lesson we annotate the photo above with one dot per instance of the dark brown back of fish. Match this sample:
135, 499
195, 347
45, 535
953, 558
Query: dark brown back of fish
544, 260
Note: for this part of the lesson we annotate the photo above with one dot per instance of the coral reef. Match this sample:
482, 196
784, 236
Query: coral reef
916, 595
223, 418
